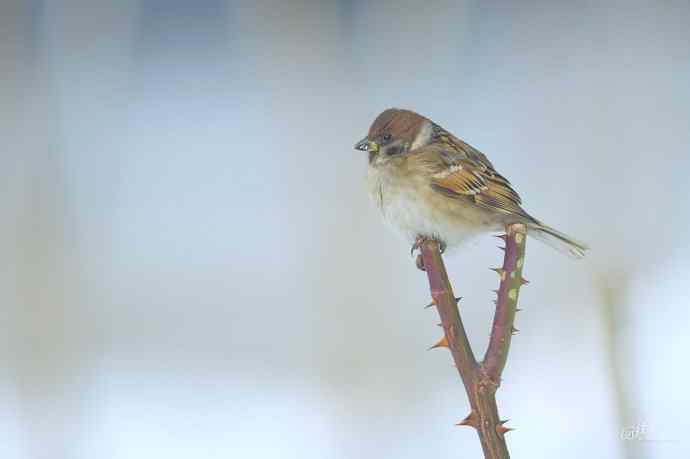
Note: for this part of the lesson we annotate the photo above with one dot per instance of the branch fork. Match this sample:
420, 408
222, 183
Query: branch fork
481, 379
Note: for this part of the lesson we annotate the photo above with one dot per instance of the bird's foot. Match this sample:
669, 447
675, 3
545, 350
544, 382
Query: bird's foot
422, 239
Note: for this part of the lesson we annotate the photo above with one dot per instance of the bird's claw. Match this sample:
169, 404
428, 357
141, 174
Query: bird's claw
421, 240
417, 244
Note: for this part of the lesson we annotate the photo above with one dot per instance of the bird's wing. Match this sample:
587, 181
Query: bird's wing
461, 171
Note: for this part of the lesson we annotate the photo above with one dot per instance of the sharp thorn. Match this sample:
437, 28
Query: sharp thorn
503, 430
433, 303
524, 281
502, 248
514, 330
458, 299
470, 420
439, 324
501, 236
442, 343
518, 309
498, 271
495, 291
503, 421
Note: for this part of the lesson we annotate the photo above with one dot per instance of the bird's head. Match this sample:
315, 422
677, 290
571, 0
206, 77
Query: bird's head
393, 133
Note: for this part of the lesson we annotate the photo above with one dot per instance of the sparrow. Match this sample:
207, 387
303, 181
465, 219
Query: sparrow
428, 183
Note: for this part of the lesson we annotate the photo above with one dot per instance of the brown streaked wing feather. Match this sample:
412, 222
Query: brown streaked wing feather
451, 142
461, 177
464, 171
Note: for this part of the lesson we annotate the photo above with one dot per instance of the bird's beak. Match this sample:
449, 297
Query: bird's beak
362, 145
366, 145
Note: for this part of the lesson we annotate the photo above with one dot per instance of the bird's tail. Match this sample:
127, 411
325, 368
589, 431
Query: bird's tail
557, 240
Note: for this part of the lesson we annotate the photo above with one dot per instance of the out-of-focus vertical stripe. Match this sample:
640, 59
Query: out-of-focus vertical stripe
63, 87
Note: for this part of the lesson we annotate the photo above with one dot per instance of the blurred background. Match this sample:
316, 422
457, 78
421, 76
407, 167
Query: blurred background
191, 266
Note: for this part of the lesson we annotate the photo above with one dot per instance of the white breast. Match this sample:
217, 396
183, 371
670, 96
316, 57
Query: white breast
412, 208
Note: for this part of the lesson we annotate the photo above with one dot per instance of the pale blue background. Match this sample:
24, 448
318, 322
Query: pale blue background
191, 267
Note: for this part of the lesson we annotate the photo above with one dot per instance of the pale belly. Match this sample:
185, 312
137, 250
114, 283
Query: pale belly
412, 208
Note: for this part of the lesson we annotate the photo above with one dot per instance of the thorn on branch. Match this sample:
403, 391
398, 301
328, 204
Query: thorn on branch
478, 377
502, 430
500, 271
443, 342
471, 420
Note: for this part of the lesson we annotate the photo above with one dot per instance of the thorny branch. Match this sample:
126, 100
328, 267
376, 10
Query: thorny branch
481, 380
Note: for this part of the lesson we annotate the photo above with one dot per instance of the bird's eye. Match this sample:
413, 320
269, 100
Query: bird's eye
387, 137
394, 150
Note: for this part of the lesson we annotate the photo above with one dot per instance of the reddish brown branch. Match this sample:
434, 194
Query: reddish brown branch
506, 302
480, 380
444, 299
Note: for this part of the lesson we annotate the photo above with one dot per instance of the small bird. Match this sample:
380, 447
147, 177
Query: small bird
428, 183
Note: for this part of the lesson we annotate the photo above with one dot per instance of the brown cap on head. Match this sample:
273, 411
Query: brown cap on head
402, 124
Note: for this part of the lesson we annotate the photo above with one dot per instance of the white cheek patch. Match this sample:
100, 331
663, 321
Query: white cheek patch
423, 137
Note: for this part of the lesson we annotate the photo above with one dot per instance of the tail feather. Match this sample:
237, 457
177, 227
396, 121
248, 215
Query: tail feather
558, 240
